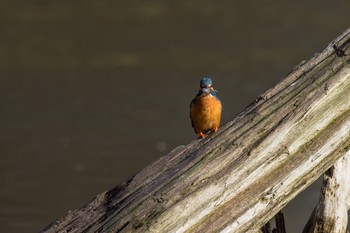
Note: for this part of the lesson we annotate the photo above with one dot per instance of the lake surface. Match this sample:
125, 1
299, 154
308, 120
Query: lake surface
93, 91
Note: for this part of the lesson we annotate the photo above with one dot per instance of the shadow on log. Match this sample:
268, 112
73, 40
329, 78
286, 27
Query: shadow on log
238, 179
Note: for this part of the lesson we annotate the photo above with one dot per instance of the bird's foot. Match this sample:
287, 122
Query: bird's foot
201, 134
216, 129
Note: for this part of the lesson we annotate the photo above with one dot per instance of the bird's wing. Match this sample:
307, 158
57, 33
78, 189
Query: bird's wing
217, 97
192, 102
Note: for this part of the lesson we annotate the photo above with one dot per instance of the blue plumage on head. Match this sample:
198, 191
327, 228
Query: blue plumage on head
206, 82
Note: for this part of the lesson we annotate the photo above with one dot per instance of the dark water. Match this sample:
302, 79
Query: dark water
93, 91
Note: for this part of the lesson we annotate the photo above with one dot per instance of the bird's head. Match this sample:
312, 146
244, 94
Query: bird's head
206, 85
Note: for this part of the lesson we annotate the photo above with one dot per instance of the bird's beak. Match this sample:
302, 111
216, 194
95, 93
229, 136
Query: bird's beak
212, 88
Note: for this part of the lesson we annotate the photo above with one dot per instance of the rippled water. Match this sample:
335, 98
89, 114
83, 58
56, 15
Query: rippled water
93, 91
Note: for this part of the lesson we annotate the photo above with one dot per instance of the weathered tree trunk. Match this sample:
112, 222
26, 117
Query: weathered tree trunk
238, 179
331, 213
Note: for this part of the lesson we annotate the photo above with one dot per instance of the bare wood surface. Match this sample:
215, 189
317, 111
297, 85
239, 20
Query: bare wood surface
331, 213
238, 179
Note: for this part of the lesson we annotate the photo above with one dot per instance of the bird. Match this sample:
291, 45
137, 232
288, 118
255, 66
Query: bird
205, 109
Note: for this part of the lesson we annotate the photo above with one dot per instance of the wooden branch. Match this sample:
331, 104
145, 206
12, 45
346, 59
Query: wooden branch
266, 228
331, 213
280, 225
238, 179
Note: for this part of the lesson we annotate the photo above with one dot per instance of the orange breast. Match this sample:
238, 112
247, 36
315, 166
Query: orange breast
206, 114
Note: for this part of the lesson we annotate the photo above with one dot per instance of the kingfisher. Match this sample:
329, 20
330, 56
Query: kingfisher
205, 109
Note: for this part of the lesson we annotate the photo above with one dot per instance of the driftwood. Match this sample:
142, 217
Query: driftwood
330, 215
239, 178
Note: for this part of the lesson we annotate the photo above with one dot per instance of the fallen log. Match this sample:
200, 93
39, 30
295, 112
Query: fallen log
239, 178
